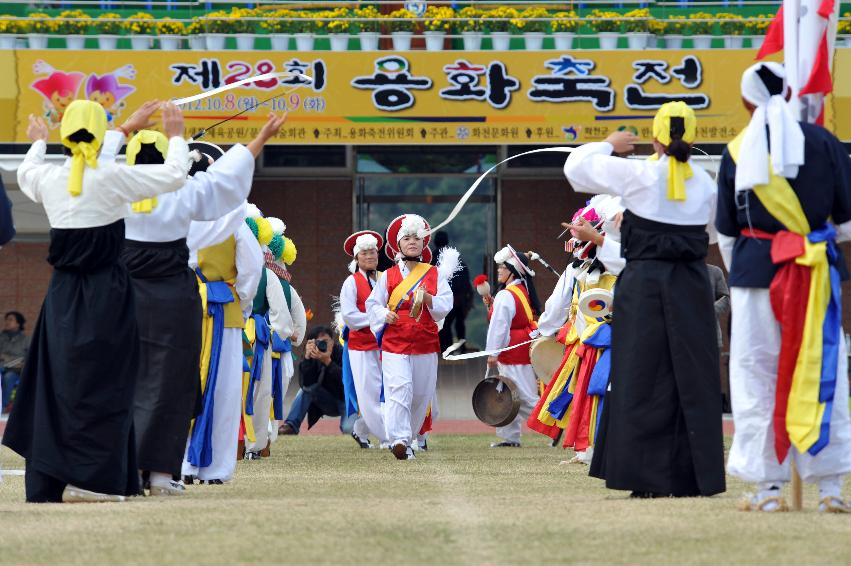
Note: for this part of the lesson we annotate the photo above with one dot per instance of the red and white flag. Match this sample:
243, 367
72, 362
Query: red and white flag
806, 32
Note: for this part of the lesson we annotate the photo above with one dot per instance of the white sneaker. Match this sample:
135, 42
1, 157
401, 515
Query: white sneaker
173, 488
73, 494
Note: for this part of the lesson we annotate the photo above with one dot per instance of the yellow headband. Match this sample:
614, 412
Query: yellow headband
134, 146
82, 115
678, 171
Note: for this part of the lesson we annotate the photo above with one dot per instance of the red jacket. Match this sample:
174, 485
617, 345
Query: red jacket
521, 326
409, 336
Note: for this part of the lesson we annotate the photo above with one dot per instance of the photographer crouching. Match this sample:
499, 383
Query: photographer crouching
321, 384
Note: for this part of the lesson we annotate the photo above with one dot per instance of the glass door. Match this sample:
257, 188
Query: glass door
394, 181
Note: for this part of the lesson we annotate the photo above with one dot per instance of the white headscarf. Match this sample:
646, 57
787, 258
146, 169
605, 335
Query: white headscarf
787, 138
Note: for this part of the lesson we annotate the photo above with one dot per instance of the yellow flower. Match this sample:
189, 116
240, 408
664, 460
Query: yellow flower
167, 26
402, 20
438, 18
109, 23
700, 28
564, 22
73, 22
140, 23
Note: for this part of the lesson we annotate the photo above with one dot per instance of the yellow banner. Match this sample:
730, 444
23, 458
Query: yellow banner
450, 97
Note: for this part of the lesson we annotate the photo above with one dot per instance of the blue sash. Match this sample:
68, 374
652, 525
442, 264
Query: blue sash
261, 343
200, 453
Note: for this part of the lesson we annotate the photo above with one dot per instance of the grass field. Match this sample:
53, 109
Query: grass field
319, 499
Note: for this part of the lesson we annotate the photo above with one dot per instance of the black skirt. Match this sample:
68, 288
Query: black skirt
168, 311
73, 416
660, 430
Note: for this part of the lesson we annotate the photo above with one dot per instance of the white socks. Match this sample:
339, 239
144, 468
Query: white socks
830, 486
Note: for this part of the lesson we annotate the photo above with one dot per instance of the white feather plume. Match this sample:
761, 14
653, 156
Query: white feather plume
448, 262
338, 323
353, 266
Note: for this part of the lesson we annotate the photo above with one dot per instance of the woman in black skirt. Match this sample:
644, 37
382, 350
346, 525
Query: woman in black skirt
660, 433
73, 417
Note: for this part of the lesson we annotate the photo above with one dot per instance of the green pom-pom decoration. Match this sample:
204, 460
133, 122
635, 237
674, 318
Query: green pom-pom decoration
276, 246
252, 224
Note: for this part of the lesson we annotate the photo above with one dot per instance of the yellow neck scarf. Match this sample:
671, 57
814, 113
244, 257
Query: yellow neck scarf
91, 117
678, 172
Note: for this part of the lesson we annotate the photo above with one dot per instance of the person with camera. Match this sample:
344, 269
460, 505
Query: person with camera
321, 384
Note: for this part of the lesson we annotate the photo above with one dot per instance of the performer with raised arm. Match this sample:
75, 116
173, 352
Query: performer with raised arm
572, 401
511, 320
361, 347
167, 299
403, 309
779, 219
229, 264
660, 433
73, 417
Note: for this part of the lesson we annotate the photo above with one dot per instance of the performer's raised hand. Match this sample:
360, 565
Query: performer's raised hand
172, 120
37, 129
584, 231
391, 317
623, 142
141, 118
492, 362
268, 131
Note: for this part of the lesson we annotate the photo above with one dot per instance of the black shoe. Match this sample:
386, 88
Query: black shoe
287, 429
189, 480
361, 443
505, 444
249, 455
211, 482
648, 495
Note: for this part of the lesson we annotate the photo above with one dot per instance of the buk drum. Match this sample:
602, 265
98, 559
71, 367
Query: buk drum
546, 356
596, 303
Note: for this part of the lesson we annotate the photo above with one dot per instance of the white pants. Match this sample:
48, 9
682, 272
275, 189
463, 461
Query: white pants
366, 373
287, 373
262, 406
227, 410
523, 377
754, 349
409, 385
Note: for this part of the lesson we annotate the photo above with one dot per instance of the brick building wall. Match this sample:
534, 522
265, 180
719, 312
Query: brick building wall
24, 275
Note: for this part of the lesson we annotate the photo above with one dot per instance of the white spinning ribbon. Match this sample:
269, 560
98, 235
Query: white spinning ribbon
488, 353
249, 80
481, 178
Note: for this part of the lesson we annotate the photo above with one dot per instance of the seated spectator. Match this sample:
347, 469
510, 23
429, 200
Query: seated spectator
321, 384
13, 351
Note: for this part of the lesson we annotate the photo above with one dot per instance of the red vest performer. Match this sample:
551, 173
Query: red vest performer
403, 310
511, 314
362, 347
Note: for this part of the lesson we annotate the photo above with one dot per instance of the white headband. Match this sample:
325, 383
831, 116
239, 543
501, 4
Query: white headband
784, 131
